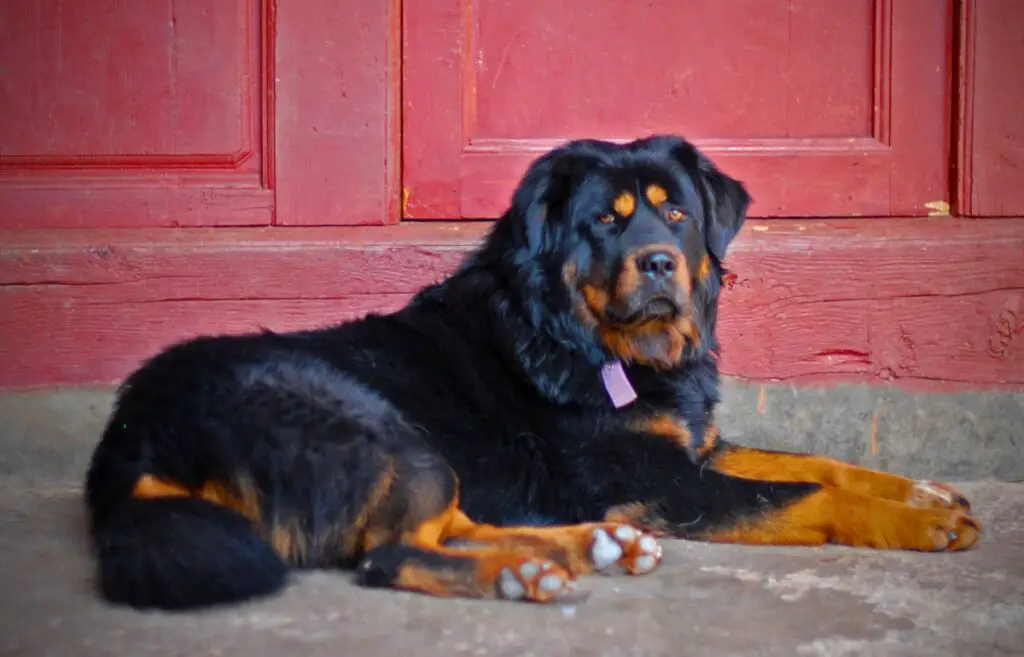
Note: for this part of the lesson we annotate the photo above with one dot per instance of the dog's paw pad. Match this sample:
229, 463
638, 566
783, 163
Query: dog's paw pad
604, 551
626, 548
535, 580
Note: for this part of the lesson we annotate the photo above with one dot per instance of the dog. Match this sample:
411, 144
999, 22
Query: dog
545, 412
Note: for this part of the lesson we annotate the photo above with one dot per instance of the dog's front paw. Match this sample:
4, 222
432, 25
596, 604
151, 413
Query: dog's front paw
946, 530
623, 546
927, 494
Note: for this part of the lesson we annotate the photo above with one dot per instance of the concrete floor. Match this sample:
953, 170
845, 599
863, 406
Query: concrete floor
704, 600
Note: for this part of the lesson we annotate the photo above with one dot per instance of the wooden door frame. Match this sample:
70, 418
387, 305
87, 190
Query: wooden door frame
355, 127
978, 119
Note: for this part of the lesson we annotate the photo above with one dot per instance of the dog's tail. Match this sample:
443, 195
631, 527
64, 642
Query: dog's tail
182, 553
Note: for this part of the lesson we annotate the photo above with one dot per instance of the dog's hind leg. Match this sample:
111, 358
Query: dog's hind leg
401, 534
406, 530
583, 548
418, 561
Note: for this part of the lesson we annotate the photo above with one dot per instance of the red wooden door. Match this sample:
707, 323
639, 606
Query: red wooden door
824, 107
191, 112
991, 130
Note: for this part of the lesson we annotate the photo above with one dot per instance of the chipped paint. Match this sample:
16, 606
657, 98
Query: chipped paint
937, 208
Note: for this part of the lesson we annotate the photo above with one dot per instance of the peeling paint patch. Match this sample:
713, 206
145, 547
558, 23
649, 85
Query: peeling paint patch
937, 208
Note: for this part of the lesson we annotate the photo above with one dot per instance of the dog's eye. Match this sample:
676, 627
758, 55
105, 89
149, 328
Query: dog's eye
606, 219
675, 214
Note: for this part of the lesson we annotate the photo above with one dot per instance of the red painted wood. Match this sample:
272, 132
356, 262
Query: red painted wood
112, 79
938, 300
121, 114
825, 107
337, 146
927, 303
173, 112
82, 347
991, 116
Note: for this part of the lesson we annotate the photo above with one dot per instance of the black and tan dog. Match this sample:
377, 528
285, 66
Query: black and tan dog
560, 387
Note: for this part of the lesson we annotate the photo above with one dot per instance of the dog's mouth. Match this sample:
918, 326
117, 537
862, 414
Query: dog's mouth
655, 309
651, 329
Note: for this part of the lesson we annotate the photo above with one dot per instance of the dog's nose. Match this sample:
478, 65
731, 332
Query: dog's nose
657, 265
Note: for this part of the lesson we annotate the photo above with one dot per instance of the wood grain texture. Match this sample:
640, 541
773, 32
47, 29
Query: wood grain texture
938, 300
824, 107
114, 202
990, 127
922, 303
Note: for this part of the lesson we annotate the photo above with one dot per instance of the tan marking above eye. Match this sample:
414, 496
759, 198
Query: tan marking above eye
675, 214
656, 195
624, 204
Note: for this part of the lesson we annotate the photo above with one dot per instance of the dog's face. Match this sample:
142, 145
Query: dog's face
637, 233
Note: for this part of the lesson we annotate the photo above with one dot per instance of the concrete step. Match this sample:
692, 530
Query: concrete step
48, 435
705, 600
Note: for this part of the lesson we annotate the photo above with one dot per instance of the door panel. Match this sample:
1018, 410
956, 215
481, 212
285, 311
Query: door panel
824, 107
991, 129
750, 83
99, 81
336, 111
162, 112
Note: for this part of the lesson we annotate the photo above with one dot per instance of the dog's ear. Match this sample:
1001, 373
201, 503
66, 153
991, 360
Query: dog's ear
534, 312
726, 201
543, 193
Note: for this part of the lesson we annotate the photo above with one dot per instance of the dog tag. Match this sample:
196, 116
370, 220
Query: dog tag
617, 384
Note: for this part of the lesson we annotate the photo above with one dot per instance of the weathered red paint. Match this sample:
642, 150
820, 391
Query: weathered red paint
924, 303
337, 91
824, 107
247, 113
190, 113
991, 103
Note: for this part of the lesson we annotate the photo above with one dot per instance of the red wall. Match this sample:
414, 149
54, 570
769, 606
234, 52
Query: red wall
174, 168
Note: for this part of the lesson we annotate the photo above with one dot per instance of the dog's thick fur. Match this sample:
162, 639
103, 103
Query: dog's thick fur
378, 443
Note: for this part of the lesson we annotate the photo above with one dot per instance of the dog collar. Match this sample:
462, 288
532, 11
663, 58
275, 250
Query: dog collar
617, 384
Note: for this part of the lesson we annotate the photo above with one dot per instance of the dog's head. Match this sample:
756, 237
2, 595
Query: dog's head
629, 240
